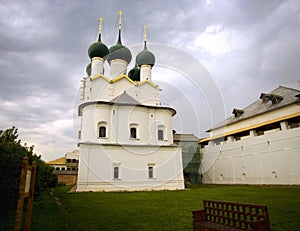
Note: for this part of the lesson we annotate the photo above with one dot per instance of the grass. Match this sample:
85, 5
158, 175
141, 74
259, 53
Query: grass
157, 210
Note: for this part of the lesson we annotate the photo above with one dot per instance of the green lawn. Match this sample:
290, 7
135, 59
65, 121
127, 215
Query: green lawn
161, 210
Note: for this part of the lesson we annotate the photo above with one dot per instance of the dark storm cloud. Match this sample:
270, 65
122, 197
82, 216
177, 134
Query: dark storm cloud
248, 46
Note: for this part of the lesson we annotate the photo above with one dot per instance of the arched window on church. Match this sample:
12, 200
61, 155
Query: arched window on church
133, 133
161, 132
116, 172
102, 129
150, 172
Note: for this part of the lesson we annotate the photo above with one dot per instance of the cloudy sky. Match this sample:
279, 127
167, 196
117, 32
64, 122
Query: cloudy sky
211, 56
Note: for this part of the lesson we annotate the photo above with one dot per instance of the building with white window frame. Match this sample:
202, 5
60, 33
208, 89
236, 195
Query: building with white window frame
259, 144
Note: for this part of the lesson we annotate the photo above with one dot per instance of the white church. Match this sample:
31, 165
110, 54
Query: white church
126, 138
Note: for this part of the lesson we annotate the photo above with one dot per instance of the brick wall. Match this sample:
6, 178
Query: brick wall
67, 177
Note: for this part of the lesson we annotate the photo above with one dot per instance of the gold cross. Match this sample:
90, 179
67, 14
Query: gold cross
120, 19
100, 24
145, 33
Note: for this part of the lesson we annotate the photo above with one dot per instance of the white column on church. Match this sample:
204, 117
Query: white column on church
145, 72
117, 67
97, 66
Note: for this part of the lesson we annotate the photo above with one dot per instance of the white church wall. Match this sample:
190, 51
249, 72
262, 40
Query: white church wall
118, 67
88, 134
136, 117
118, 120
92, 115
96, 168
122, 85
101, 90
272, 158
86, 86
147, 94
164, 118
97, 66
271, 115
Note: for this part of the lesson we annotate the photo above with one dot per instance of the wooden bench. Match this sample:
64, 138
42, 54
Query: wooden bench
218, 215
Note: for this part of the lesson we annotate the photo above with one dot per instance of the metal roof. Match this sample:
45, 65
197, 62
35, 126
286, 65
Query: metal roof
124, 98
280, 97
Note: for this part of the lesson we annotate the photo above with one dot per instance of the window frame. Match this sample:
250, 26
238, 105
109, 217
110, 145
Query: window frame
102, 125
133, 133
150, 172
160, 134
116, 171
102, 129
161, 128
133, 127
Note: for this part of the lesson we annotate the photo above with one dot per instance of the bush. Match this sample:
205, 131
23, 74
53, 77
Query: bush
11, 154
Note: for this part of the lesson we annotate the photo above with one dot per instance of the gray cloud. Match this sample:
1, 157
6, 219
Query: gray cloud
248, 46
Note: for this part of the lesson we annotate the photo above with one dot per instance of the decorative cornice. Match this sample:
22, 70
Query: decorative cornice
98, 58
118, 60
122, 77
146, 65
81, 106
147, 81
100, 76
112, 81
129, 145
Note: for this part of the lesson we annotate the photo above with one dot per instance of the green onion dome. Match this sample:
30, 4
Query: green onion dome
88, 69
134, 73
119, 51
145, 57
98, 49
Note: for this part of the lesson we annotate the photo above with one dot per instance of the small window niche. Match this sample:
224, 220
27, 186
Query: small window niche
116, 171
151, 170
102, 129
161, 134
133, 130
274, 174
244, 176
221, 176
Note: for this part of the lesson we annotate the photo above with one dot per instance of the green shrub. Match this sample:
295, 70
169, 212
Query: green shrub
12, 153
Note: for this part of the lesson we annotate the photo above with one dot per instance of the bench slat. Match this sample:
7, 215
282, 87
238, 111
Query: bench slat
240, 216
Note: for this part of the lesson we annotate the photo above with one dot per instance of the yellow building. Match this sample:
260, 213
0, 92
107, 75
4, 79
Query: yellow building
66, 167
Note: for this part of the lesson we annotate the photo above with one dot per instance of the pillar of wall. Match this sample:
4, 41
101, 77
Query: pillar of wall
117, 67
97, 66
145, 72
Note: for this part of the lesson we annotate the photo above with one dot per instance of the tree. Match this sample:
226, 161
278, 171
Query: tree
11, 154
